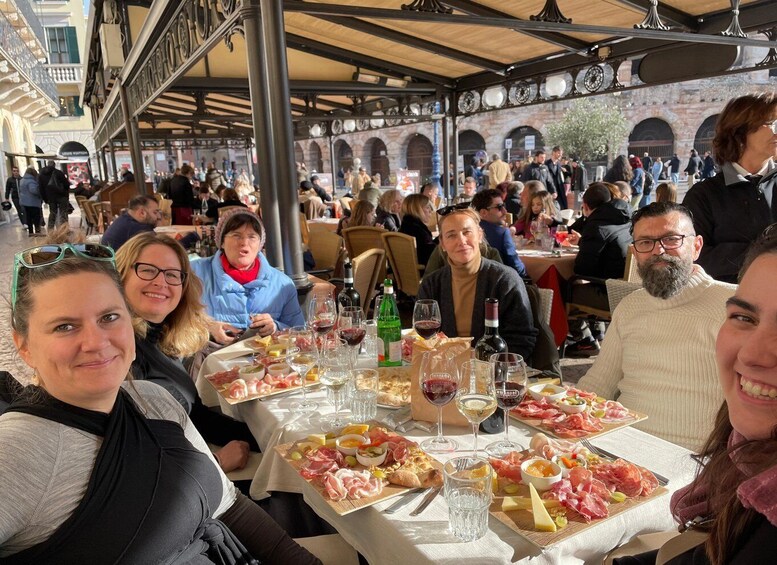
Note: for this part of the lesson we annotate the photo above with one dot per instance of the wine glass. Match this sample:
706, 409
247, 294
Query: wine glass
439, 379
562, 232
302, 356
426, 318
322, 314
476, 399
350, 327
335, 375
509, 373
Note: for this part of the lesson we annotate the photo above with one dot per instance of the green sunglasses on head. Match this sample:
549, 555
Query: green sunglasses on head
44, 255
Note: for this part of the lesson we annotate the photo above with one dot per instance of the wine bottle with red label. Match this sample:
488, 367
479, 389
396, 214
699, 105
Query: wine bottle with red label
349, 296
491, 343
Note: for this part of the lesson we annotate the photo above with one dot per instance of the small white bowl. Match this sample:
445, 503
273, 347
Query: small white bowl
540, 483
540, 391
350, 439
252, 371
375, 459
571, 408
278, 369
574, 456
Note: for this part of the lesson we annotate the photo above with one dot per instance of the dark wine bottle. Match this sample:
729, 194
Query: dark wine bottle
491, 343
349, 296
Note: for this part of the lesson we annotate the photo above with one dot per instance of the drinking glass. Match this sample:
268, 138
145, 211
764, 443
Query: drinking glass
439, 380
302, 356
322, 314
476, 399
561, 234
468, 494
509, 373
335, 376
426, 318
364, 402
350, 327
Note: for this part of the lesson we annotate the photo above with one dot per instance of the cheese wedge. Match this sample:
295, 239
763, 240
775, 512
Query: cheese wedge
358, 429
510, 503
320, 439
542, 520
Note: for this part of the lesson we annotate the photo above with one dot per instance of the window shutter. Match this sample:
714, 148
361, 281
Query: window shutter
72, 44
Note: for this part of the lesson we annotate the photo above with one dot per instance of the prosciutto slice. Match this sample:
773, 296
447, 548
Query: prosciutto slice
322, 461
537, 409
582, 493
508, 467
614, 411
352, 484
222, 378
573, 425
548, 447
238, 389
626, 477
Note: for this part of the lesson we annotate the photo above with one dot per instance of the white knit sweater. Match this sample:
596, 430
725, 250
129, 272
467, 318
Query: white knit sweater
658, 358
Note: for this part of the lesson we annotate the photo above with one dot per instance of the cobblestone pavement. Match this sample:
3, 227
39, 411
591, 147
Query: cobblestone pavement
13, 238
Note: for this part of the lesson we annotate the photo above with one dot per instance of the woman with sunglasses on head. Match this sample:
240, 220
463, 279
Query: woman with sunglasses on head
733, 207
96, 468
241, 290
468, 279
161, 291
416, 214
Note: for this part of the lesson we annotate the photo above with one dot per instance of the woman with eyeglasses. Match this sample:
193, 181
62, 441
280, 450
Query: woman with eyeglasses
161, 291
733, 207
97, 468
241, 290
416, 214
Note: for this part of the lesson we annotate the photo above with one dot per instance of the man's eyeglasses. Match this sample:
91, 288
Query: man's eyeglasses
445, 210
772, 125
668, 242
499, 207
44, 255
148, 272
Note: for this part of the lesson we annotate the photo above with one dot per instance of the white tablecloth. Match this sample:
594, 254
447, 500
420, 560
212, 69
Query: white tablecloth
397, 538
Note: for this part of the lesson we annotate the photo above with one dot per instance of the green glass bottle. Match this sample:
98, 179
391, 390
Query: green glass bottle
389, 329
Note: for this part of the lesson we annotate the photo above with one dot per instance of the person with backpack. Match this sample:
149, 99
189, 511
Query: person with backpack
647, 188
55, 190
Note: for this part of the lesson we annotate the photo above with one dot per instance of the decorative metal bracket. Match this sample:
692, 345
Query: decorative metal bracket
551, 13
771, 57
238, 29
734, 29
434, 6
652, 19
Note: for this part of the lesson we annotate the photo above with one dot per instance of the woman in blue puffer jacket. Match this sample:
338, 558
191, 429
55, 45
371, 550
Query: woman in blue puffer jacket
30, 198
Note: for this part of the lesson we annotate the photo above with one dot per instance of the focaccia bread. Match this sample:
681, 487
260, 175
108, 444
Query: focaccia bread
418, 471
394, 386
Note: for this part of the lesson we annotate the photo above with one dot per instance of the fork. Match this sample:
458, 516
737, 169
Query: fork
662, 480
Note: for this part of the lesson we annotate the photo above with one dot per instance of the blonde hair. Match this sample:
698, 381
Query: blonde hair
360, 209
184, 329
666, 192
414, 205
388, 197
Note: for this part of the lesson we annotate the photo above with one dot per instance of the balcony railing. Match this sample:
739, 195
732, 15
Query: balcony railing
68, 73
28, 13
16, 52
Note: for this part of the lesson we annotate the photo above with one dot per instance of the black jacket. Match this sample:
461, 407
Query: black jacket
494, 281
58, 189
424, 242
181, 192
513, 205
604, 241
579, 178
535, 171
12, 187
709, 167
388, 220
695, 165
729, 212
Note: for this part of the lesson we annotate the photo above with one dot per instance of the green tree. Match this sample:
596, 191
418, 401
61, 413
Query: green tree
589, 130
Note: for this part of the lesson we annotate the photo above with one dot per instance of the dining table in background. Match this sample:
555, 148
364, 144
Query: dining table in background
323, 223
389, 538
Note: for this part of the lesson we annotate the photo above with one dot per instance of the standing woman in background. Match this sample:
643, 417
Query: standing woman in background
30, 199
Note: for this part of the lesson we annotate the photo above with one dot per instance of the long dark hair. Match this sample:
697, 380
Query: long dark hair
723, 468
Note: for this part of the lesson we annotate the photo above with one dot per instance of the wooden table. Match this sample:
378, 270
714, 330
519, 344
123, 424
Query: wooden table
323, 223
537, 262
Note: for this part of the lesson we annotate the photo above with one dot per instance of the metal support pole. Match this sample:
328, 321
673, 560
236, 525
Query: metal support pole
436, 148
332, 161
446, 153
455, 141
115, 173
104, 164
131, 130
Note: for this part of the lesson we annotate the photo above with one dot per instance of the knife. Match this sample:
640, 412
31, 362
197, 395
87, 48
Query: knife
426, 501
310, 387
662, 480
404, 500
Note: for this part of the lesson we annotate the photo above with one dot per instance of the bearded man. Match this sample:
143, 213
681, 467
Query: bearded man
658, 357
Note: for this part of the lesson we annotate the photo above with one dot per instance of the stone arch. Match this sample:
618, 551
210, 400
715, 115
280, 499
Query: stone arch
654, 136
316, 157
8, 144
703, 140
343, 155
519, 136
299, 153
376, 158
470, 142
418, 155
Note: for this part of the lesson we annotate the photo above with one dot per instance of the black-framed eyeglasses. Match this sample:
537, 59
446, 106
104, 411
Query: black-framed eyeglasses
499, 207
148, 272
668, 242
445, 210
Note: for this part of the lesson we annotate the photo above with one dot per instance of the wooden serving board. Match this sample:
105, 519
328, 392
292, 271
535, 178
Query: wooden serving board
606, 429
346, 506
522, 521
222, 391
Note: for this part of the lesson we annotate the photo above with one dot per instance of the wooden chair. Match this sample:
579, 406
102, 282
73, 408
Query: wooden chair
367, 267
304, 229
80, 201
106, 211
631, 274
327, 249
92, 216
364, 238
226, 209
401, 253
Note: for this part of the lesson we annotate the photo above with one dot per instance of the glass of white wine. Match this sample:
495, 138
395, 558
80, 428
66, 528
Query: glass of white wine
302, 356
476, 398
334, 374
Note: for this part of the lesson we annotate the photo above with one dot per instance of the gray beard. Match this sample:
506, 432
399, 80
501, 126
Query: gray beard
667, 280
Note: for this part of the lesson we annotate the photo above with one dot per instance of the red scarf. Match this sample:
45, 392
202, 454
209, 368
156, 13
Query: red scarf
239, 276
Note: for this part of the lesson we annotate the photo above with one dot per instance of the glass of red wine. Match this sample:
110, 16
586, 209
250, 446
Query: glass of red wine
350, 327
322, 315
439, 380
509, 372
426, 318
